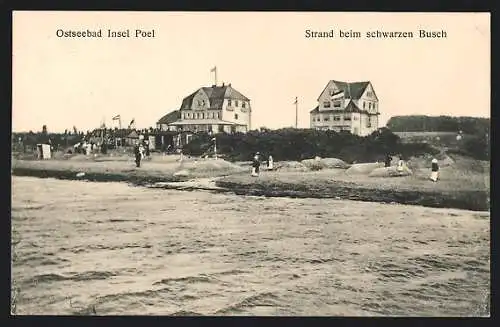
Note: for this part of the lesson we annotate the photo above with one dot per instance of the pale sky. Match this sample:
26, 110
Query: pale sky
63, 82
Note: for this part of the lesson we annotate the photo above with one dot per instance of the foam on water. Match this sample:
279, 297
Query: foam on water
108, 248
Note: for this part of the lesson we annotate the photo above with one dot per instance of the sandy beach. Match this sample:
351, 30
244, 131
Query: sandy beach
463, 184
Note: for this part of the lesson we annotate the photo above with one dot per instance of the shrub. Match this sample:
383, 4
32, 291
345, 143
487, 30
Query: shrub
300, 144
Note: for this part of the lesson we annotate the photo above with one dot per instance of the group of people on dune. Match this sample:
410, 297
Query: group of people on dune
401, 166
256, 164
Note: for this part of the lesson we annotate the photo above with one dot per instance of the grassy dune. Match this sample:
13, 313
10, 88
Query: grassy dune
457, 188
123, 168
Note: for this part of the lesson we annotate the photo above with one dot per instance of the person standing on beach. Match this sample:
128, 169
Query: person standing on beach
388, 160
256, 165
434, 170
141, 150
401, 165
138, 156
147, 148
270, 163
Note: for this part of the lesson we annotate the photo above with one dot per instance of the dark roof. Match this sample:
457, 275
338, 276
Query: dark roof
216, 96
170, 117
315, 110
353, 90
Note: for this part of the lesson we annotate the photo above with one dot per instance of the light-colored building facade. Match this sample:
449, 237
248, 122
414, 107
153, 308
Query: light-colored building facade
352, 107
212, 109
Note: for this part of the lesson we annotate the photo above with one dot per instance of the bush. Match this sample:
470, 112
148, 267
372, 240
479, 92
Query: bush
300, 144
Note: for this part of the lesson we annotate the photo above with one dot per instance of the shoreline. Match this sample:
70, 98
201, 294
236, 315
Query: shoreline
239, 184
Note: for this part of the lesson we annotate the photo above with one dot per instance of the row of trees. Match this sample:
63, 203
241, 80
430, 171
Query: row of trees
298, 144
468, 125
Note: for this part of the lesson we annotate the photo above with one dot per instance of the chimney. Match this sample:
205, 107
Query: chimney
222, 83
213, 85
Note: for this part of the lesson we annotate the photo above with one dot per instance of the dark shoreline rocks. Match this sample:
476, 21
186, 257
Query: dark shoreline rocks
467, 200
94, 177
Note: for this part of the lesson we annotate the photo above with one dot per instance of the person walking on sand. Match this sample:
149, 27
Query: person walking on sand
434, 170
138, 156
256, 165
270, 163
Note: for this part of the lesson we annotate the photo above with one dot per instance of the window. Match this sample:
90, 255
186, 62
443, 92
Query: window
336, 118
188, 115
218, 115
229, 102
235, 116
243, 104
236, 103
374, 106
369, 93
370, 105
364, 105
326, 118
347, 117
326, 104
221, 128
337, 104
355, 117
202, 115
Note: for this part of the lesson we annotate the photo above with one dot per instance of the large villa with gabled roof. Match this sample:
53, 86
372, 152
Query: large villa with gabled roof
211, 109
347, 106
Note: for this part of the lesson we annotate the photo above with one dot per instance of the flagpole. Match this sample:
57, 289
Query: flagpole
296, 112
215, 147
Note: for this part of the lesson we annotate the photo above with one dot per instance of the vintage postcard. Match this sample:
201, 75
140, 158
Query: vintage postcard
250, 163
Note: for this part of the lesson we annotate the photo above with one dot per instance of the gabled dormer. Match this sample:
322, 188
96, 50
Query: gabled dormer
333, 97
201, 101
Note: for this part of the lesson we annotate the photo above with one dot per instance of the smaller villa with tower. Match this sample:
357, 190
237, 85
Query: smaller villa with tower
347, 106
